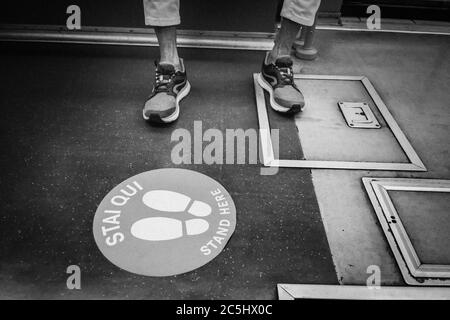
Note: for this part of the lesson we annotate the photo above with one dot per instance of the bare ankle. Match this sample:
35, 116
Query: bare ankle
173, 61
273, 55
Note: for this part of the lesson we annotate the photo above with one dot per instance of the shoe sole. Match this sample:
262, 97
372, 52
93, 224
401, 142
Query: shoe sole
174, 116
296, 108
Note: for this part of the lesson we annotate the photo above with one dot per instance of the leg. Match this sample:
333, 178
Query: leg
284, 40
304, 49
294, 14
171, 83
164, 16
167, 39
277, 76
303, 12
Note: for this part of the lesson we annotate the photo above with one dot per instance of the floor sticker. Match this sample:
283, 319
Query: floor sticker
164, 222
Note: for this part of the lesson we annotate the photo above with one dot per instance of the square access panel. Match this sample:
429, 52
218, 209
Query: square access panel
415, 217
345, 125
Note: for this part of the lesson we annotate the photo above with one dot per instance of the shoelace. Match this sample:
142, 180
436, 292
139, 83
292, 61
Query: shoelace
287, 75
162, 81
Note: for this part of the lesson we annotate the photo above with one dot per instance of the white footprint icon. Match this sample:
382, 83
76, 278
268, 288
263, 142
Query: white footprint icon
161, 228
170, 201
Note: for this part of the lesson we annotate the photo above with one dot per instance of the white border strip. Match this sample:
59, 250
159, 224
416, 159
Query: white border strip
341, 292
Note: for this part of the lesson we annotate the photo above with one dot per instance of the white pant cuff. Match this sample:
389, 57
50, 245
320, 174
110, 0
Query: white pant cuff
157, 22
298, 19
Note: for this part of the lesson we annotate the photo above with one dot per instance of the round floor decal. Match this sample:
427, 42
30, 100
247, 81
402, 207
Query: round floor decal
164, 222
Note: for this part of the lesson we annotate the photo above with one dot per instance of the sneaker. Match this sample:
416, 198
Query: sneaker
170, 87
278, 80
